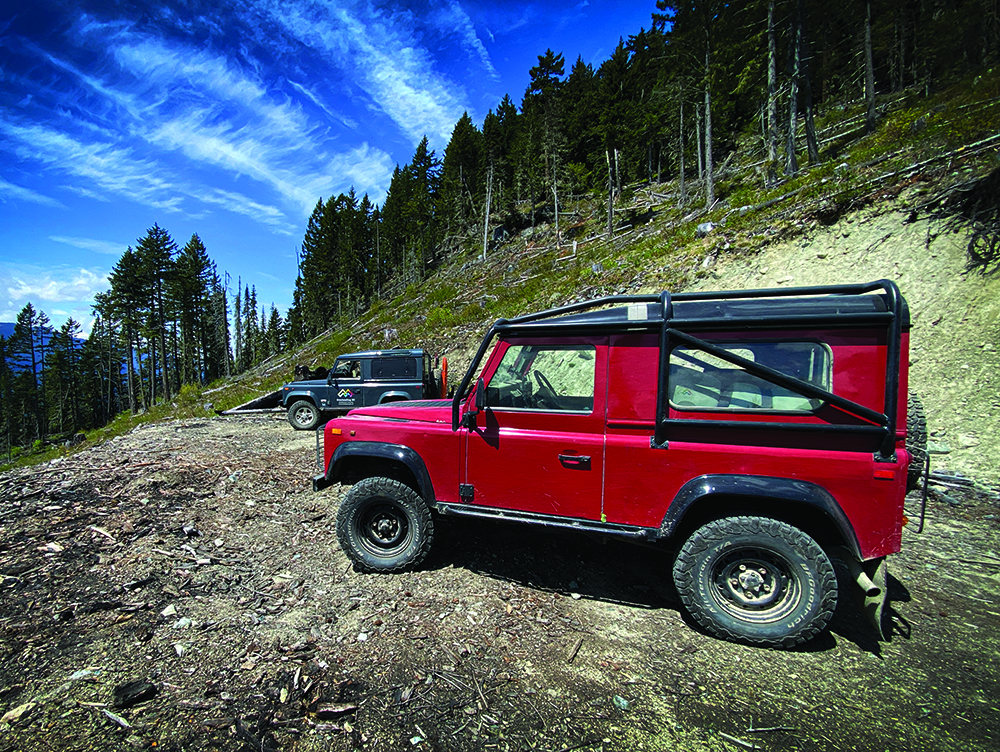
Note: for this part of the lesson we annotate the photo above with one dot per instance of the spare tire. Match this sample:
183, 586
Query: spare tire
916, 440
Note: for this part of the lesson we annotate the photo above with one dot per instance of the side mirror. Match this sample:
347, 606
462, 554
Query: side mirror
480, 395
469, 417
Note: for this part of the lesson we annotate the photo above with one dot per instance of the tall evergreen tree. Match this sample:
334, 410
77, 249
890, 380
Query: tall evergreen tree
189, 288
461, 179
27, 350
156, 255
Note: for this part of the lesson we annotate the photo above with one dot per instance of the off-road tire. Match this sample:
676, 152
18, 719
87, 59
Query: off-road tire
916, 440
304, 415
383, 525
756, 580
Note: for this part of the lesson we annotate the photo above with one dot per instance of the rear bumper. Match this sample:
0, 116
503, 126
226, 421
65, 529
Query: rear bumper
320, 482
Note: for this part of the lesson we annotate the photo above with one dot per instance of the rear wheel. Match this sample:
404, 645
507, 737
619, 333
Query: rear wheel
303, 415
756, 580
383, 525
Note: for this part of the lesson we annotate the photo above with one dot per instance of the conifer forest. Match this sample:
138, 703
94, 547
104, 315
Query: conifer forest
670, 104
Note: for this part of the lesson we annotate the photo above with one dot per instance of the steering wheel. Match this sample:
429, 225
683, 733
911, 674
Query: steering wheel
547, 396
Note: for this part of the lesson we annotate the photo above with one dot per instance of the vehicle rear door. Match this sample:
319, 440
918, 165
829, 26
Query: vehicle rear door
538, 446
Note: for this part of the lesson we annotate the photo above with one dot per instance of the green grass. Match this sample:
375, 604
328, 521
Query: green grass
466, 295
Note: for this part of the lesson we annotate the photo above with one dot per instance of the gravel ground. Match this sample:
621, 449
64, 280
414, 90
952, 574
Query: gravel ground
181, 588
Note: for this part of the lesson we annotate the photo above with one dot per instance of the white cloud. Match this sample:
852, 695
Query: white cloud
308, 94
240, 204
369, 170
20, 193
456, 19
88, 244
56, 286
108, 167
383, 58
72, 288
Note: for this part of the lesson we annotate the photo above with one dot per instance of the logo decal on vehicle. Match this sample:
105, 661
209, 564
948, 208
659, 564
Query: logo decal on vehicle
345, 394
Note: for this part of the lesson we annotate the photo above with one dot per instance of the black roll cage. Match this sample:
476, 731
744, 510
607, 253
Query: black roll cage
674, 331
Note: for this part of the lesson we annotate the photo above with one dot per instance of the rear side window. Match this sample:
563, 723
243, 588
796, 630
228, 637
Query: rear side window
700, 381
394, 368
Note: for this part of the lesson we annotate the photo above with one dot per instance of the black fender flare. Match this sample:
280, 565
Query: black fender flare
394, 396
304, 394
382, 451
786, 489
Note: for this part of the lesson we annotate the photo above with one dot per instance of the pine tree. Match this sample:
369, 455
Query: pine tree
7, 414
156, 254
25, 347
126, 305
461, 181
190, 290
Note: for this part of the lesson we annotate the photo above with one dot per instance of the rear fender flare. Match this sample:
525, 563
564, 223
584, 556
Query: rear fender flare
393, 397
375, 450
750, 486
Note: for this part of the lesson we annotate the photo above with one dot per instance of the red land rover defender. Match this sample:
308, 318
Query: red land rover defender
760, 431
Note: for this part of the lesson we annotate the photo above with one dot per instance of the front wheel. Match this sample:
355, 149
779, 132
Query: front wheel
303, 415
383, 525
756, 580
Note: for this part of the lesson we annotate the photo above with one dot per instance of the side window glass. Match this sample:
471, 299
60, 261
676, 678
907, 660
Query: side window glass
545, 377
699, 381
347, 369
394, 368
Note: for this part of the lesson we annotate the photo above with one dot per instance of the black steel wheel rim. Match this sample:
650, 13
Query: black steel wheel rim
384, 528
755, 584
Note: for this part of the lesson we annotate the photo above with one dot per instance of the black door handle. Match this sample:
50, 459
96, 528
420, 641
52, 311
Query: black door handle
581, 460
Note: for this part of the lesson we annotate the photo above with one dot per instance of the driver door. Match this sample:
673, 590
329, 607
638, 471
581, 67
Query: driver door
347, 385
538, 445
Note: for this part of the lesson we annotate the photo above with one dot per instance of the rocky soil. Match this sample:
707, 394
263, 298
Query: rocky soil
181, 588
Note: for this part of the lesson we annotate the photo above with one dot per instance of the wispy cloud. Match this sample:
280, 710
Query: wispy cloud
366, 167
109, 168
308, 94
240, 204
9, 191
453, 18
385, 60
88, 244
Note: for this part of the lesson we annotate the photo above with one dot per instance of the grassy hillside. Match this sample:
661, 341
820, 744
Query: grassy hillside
924, 151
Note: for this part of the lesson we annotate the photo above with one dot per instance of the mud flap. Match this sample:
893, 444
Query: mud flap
872, 602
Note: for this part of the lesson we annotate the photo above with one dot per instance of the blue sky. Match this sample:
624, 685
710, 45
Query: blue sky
231, 118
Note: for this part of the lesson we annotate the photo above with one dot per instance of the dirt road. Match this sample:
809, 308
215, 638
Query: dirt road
193, 559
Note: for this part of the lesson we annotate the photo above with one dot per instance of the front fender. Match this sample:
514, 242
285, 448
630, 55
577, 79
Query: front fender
761, 487
376, 450
305, 394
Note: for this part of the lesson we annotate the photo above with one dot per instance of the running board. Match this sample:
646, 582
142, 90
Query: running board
532, 518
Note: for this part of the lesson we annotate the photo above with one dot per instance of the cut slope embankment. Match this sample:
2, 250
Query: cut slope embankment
955, 340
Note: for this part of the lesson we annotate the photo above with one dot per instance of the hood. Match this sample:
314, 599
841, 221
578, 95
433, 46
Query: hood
429, 411
305, 384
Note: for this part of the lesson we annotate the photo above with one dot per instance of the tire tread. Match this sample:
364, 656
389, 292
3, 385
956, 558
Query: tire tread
718, 531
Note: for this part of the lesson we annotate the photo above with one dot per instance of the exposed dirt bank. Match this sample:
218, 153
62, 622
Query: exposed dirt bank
191, 557
955, 342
